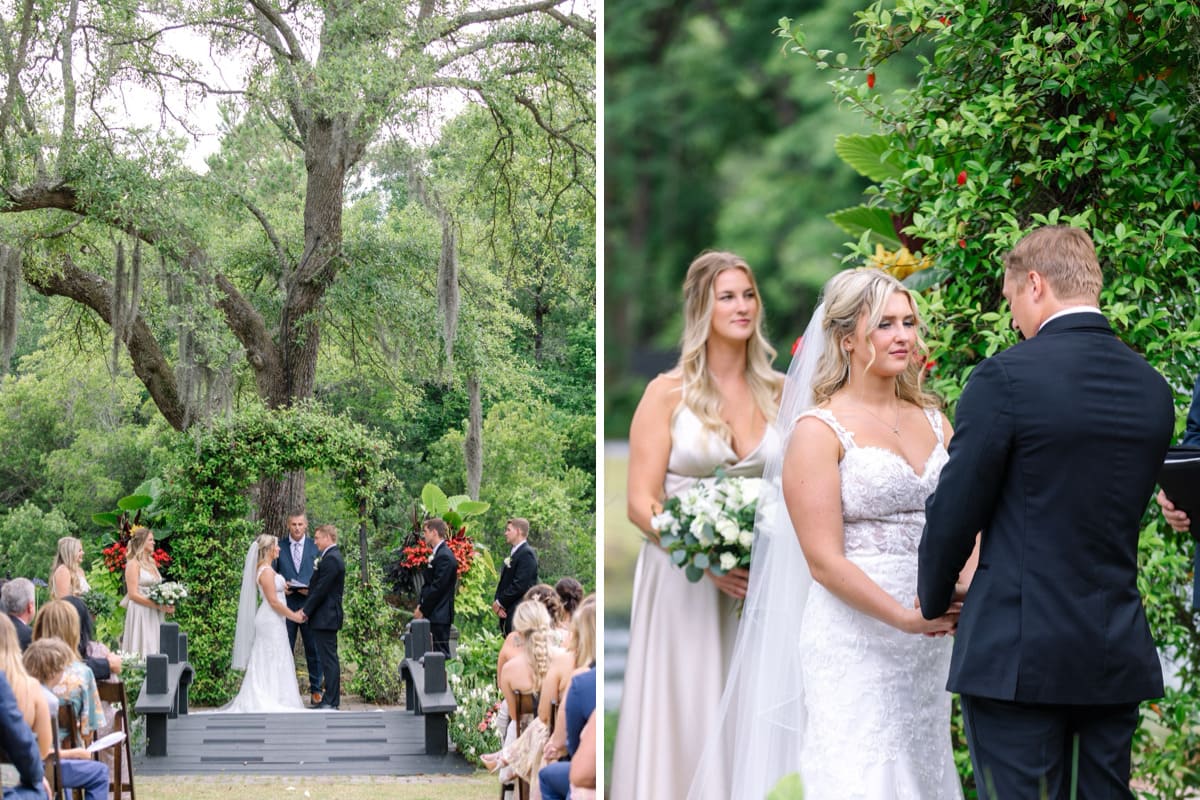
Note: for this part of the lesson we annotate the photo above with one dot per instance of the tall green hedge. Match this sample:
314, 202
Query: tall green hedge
1025, 113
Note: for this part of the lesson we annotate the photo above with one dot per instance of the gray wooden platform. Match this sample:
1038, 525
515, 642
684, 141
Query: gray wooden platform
312, 743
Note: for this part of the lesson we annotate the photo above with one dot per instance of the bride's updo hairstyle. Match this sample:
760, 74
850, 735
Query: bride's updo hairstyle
137, 546
265, 542
532, 621
848, 297
699, 391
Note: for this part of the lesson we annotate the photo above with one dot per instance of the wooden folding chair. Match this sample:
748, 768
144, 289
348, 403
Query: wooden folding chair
122, 763
527, 703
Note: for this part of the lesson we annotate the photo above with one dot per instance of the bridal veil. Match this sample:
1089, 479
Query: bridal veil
762, 715
243, 636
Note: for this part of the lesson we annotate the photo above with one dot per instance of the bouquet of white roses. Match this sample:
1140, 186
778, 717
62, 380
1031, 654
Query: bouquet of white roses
710, 526
168, 593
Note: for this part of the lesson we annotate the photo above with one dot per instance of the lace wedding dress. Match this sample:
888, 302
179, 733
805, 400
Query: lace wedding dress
681, 636
270, 683
878, 722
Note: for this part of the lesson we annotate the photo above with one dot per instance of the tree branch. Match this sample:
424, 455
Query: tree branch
280, 253
494, 15
251, 330
584, 26
149, 363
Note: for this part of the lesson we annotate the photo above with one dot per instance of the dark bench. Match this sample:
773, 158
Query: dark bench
164, 693
426, 691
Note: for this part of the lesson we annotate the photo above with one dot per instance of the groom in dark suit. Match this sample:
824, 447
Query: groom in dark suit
1058, 441
297, 552
323, 611
520, 572
441, 581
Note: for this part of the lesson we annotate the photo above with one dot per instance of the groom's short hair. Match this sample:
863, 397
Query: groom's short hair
436, 524
521, 524
1064, 256
328, 530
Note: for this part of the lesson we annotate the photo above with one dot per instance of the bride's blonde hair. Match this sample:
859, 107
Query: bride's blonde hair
700, 392
848, 297
266, 542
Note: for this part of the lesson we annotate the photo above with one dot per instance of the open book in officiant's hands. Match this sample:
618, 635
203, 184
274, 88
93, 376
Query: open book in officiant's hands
1180, 479
116, 737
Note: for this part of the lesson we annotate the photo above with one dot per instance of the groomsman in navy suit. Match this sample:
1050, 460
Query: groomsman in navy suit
295, 563
1057, 447
441, 581
519, 574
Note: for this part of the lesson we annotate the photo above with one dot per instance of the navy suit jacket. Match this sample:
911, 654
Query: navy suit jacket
284, 565
1057, 446
24, 632
441, 580
17, 739
324, 605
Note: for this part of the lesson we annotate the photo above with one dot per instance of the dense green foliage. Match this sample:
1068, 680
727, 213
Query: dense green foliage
1080, 112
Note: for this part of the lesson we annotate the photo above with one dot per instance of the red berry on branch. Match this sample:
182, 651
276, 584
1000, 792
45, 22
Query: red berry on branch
962, 177
870, 80
962, 243
944, 21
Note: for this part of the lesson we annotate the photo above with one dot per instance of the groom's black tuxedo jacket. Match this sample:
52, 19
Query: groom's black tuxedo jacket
516, 578
1057, 444
441, 579
324, 604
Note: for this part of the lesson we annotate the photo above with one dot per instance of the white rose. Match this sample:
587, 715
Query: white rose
751, 488
697, 529
688, 502
664, 522
746, 539
727, 529
728, 561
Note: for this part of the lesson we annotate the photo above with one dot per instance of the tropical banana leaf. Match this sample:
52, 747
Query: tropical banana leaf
858, 220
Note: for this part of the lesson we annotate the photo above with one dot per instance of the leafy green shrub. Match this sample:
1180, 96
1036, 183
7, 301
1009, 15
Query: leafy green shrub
370, 640
28, 538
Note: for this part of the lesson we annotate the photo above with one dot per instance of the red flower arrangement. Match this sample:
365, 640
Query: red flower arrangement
416, 556
115, 557
486, 722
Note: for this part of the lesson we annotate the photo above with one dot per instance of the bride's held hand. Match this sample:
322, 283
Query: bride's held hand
913, 621
733, 583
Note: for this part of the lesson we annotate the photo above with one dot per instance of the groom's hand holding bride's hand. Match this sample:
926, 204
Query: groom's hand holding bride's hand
733, 583
945, 624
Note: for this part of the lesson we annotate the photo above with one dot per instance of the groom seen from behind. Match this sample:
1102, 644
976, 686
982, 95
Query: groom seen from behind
1058, 441
297, 552
323, 610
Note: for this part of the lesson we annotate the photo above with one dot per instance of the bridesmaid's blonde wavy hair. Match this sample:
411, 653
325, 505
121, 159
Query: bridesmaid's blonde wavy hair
700, 392
848, 297
68, 550
137, 545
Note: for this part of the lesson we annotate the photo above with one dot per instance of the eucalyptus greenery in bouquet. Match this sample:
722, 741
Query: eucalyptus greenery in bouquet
710, 526
98, 603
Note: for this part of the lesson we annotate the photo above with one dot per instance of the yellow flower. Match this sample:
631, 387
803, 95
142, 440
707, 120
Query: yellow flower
899, 264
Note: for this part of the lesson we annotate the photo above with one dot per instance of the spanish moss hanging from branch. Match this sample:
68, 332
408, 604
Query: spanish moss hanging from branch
10, 282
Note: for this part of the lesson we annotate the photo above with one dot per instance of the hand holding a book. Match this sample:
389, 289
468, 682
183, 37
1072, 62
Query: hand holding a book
1175, 517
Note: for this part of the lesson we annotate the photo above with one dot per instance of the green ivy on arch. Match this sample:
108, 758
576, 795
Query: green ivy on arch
208, 505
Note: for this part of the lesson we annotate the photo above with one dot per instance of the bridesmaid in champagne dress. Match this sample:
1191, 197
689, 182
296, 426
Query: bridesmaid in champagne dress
142, 615
710, 412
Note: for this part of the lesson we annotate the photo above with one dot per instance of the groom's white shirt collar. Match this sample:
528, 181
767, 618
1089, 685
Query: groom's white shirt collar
327, 549
516, 547
1070, 310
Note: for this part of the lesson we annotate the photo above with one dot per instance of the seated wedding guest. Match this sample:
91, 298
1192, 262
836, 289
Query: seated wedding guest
570, 593
560, 621
17, 598
103, 664
524, 673
579, 655
18, 741
58, 620
574, 712
66, 573
583, 765
39, 707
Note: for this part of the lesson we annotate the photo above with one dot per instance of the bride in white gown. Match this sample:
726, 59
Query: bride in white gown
260, 644
836, 674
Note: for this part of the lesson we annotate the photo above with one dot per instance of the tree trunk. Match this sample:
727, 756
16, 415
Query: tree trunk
473, 443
